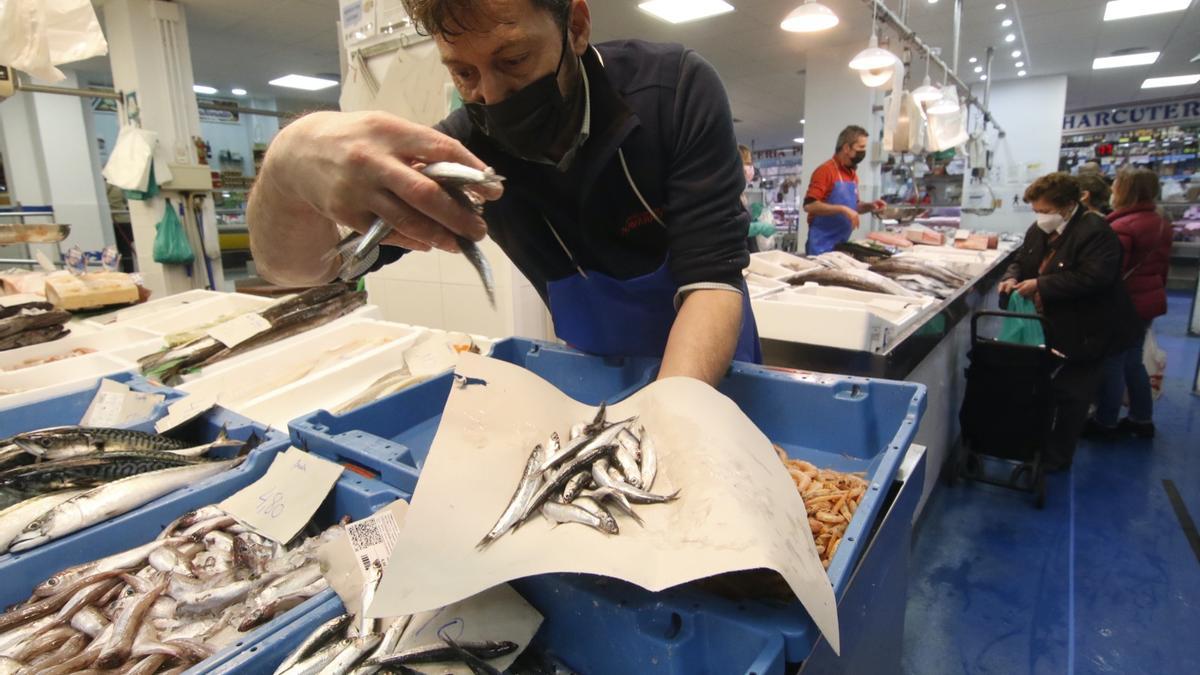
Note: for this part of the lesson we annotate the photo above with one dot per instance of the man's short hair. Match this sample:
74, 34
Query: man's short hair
1059, 188
849, 136
451, 18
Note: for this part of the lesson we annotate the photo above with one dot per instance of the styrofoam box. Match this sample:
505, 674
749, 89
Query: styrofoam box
760, 286
335, 386
198, 313
784, 259
894, 309
275, 368
810, 317
52, 379
152, 307
973, 263
108, 340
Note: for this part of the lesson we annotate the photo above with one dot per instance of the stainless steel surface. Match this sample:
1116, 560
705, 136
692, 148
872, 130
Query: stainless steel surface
987, 84
957, 33
116, 96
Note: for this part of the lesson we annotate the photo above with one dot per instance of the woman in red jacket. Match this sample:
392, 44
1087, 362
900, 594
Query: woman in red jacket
1146, 240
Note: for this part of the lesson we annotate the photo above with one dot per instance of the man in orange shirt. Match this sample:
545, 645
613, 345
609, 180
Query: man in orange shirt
832, 201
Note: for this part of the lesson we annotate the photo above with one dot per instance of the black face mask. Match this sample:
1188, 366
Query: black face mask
526, 122
858, 158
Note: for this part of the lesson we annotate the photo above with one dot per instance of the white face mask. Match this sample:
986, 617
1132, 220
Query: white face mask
1049, 222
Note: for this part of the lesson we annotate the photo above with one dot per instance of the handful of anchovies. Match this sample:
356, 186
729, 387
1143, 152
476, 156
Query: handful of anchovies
360, 252
56, 481
163, 606
601, 465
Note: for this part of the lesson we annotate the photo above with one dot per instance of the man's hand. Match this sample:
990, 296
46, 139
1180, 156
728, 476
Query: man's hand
853, 216
704, 336
878, 205
1007, 286
1027, 288
350, 168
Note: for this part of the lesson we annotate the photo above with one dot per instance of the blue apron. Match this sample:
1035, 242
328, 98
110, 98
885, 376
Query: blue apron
826, 232
606, 316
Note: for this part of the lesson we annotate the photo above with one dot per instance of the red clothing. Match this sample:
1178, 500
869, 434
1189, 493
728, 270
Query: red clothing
821, 185
1146, 239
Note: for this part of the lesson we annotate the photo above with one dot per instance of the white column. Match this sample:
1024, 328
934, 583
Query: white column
835, 98
150, 58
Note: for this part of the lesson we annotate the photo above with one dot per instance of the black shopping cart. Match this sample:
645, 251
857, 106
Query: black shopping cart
1007, 411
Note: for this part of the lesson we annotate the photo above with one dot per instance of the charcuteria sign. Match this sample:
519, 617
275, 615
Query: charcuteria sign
1137, 116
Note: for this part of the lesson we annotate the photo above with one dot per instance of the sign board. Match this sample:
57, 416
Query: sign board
225, 112
1135, 116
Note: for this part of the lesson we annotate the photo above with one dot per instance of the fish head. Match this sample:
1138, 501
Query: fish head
29, 538
41, 443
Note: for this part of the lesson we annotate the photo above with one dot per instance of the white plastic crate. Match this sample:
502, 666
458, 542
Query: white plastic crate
198, 313
155, 306
836, 317
108, 340
51, 379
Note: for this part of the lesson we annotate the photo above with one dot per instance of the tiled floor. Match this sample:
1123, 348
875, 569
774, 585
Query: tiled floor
1103, 580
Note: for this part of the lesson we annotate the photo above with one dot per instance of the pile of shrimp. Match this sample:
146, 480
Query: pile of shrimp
830, 497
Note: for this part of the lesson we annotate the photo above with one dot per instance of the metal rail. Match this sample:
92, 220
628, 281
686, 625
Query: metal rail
907, 34
93, 92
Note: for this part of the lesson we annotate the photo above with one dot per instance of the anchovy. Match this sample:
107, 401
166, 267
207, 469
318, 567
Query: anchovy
477, 665
106, 501
575, 485
319, 637
628, 465
635, 495
351, 655
518, 506
584, 443
391, 639
574, 513
601, 495
437, 653
649, 465
316, 662
585, 457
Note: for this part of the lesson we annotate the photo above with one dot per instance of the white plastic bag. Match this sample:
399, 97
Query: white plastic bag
128, 165
1155, 360
946, 130
37, 35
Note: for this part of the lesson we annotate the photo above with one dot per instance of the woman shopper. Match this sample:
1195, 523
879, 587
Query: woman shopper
1070, 264
1096, 193
1146, 241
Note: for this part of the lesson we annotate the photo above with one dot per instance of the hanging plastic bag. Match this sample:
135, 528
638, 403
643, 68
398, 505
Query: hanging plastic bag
132, 155
1155, 360
37, 35
1022, 331
171, 245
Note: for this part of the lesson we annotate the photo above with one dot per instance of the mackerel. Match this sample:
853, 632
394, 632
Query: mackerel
68, 441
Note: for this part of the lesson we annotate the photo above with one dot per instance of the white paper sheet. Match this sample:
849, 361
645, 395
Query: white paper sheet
738, 509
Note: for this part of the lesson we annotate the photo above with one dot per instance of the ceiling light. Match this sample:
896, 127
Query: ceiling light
1128, 9
1019, 64
809, 18
972, 60
1020, 73
948, 103
802, 120
1173, 81
1016, 53
680, 11
238, 91
203, 89
983, 78
926, 93
1125, 60
1001, 7
304, 82
873, 58
979, 69
876, 77
1011, 37
798, 140
1006, 23
933, 2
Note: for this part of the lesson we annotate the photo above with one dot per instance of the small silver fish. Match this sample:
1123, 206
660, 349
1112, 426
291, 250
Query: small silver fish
518, 507
574, 513
318, 638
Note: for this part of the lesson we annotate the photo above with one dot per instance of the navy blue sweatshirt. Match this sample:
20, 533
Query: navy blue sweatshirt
665, 107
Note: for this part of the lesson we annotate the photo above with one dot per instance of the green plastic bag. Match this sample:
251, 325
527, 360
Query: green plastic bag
152, 189
1022, 331
171, 245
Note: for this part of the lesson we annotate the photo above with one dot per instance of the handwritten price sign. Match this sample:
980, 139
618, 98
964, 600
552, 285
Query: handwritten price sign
282, 501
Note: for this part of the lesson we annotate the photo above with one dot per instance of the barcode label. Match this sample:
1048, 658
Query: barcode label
372, 539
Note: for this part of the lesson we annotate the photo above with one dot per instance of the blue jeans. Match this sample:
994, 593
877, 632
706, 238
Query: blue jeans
1122, 371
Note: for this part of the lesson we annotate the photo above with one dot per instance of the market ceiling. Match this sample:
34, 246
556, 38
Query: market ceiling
246, 44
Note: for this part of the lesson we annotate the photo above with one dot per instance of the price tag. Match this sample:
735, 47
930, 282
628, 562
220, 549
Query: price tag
348, 559
431, 357
239, 329
116, 405
279, 504
372, 539
184, 410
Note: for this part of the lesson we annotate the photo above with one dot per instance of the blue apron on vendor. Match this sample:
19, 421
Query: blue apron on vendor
642, 210
835, 185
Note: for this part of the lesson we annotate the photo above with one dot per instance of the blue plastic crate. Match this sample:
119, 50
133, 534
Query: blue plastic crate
70, 408
843, 423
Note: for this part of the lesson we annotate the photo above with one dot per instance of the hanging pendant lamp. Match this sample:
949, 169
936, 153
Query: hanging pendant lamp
926, 93
873, 58
876, 77
811, 17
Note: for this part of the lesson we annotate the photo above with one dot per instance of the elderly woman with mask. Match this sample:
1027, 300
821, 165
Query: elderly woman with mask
1070, 264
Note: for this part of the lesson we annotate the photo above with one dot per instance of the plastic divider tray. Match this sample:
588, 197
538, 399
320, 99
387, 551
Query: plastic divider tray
835, 422
69, 408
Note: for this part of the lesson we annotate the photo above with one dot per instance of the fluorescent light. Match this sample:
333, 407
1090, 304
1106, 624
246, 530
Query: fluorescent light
972, 60
238, 91
983, 78
1128, 9
203, 89
1173, 81
1125, 60
810, 17
1020, 73
1011, 37
798, 140
1019, 64
304, 82
1001, 7
680, 11
1016, 53
979, 69
873, 58
1006, 23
